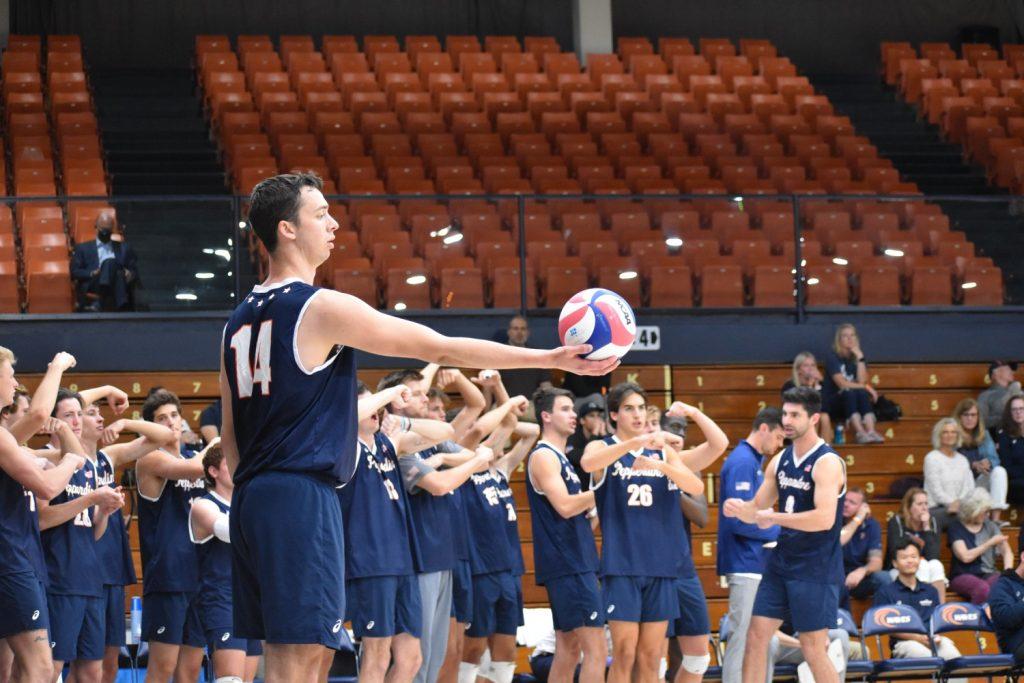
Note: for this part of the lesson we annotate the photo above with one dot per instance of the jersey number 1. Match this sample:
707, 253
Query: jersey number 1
259, 372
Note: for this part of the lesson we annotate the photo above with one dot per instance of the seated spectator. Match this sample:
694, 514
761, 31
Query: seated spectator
1006, 603
915, 523
105, 270
977, 446
1010, 446
861, 537
523, 381
1003, 385
210, 420
806, 374
976, 541
785, 649
947, 474
922, 597
846, 393
590, 426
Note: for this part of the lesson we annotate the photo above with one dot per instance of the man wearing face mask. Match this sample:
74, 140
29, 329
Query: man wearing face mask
104, 270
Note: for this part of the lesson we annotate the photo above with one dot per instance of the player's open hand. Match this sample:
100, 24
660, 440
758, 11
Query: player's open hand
570, 359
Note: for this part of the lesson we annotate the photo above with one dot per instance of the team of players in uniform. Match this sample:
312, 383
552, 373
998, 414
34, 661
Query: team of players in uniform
352, 505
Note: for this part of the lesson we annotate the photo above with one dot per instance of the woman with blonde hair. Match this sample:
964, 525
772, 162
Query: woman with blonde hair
947, 474
846, 393
806, 374
913, 521
980, 450
975, 541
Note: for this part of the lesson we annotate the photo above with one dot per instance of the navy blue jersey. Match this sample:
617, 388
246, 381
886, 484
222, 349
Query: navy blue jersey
560, 546
20, 548
460, 526
807, 555
511, 523
168, 555
375, 511
285, 418
488, 514
639, 511
115, 555
686, 567
214, 558
70, 548
433, 549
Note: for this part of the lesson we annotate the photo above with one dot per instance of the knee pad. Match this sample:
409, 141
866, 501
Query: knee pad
696, 664
229, 679
468, 672
502, 672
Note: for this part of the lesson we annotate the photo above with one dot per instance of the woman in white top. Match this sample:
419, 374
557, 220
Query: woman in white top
947, 473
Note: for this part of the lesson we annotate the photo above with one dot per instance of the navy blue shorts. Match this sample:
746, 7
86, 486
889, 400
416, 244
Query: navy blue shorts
497, 605
575, 601
253, 648
172, 618
288, 552
462, 591
693, 609
639, 599
77, 627
115, 621
22, 604
224, 639
383, 606
807, 605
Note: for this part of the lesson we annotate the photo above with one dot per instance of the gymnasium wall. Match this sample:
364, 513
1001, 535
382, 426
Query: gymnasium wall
820, 36
165, 342
161, 33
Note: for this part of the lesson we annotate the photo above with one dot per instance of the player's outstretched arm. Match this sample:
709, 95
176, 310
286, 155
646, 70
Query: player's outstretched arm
44, 399
828, 482
545, 471
715, 440
528, 433
158, 465
412, 435
472, 400
338, 318
492, 419
206, 519
23, 467
115, 398
369, 405
443, 482
598, 455
151, 437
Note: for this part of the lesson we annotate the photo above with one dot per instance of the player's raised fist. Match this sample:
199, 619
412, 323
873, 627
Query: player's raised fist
642, 462
764, 518
117, 400
112, 433
680, 409
484, 457
64, 361
734, 507
519, 405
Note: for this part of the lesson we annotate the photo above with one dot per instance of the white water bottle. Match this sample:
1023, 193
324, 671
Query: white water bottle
136, 620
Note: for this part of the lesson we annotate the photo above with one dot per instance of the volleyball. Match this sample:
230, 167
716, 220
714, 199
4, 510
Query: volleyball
601, 318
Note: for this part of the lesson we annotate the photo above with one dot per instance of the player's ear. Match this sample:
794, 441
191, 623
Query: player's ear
815, 419
286, 230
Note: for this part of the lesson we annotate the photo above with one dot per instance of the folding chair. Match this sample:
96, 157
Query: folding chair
964, 616
889, 619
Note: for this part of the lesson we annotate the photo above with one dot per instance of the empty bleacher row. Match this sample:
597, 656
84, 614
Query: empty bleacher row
53, 146
502, 118
975, 97
730, 394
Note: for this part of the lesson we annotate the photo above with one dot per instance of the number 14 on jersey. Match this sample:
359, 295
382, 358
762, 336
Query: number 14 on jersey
247, 375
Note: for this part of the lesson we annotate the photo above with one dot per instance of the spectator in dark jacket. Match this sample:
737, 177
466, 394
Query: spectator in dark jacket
861, 537
1006, 601
104, 270
741, 551
1010, 445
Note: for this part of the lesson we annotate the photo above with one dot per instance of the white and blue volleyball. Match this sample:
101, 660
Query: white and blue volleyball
600, 318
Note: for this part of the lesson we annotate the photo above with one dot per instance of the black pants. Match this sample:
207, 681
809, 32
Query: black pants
110, 285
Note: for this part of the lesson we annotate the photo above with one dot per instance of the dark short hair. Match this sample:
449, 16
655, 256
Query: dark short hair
156, 400
393, 379
544, 399
439, 394
902, 544
361, 388
277, 199
213, 457
770, 416
619, 393
806, 397
63, 395
858, 490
